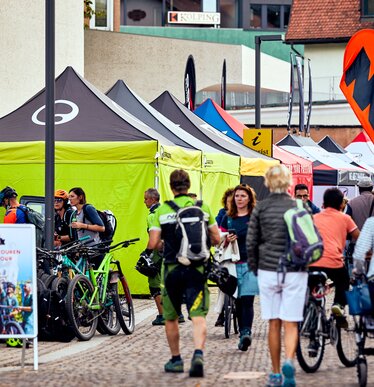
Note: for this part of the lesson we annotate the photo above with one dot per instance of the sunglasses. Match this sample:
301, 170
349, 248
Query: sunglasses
59, 200
302, 196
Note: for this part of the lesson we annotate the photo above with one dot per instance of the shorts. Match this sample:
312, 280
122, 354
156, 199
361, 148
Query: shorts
184, 284
247, 281
284, 301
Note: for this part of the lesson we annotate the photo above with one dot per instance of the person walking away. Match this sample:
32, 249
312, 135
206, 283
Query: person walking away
362, 207
363, 253
235, 222
302, 192
63, 216
8, 200
86, 220
27, 323
152, 202
179, 279
282, 297
334, 228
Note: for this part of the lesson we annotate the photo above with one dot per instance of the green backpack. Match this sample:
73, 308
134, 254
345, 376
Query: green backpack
305, 244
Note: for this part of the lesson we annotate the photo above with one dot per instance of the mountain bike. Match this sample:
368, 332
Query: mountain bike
317, 328
103, 295
8, 326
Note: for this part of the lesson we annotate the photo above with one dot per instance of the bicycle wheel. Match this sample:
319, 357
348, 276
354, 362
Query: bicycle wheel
60, 284
346, 344
108, 322
83, 319
227, 307
124, 307
362, 371
311, 346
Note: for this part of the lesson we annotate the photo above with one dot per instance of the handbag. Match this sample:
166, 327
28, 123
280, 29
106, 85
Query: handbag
358, 299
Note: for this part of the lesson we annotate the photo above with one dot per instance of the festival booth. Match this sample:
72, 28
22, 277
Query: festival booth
331, 146
172, 108
328, 170
214, 115
362, 149
251, 171
302, 169
99, 147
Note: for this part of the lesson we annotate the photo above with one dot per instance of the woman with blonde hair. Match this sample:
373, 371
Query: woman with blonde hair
282, 297
235, 222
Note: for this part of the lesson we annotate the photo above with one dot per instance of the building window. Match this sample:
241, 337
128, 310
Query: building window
269, 16
103, 16
368, 8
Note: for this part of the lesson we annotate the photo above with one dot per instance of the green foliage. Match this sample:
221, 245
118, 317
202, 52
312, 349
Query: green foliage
88, 12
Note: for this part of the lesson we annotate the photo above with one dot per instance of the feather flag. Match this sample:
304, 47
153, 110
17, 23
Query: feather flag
357, 83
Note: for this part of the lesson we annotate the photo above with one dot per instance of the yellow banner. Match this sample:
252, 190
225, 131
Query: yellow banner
260, 140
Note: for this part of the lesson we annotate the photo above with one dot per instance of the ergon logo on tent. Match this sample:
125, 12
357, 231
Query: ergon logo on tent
64, 117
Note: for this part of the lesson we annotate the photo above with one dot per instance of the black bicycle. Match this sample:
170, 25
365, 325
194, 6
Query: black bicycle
317, 329
230, 317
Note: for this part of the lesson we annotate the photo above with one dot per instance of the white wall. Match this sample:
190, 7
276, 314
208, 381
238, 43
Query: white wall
22, 47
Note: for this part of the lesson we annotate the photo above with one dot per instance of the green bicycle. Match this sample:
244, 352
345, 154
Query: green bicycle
102, 297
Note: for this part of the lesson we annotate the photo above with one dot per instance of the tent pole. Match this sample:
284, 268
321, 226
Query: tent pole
50, 121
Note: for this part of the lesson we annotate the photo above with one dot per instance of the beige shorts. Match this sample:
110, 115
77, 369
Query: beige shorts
279, 300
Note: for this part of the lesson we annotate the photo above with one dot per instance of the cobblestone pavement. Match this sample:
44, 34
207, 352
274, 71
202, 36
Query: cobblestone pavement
138, 359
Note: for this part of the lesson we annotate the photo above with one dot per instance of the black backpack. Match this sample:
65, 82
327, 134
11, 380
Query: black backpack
37, 219
192, 232
53, 322
109, 220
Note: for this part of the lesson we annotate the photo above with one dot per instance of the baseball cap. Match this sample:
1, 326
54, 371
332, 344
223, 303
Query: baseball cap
365, 182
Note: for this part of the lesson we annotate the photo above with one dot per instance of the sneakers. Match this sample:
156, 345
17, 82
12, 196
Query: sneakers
159, 320
245, 340
288, 370
176, 366
337, 310
181, 319
275, 380
197, 366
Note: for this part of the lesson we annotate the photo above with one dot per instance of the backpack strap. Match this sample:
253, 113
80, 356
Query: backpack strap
85, 214
173, 205
199, 203
299, 204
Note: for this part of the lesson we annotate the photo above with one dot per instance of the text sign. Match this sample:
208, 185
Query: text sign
18, 293
260, 140
194, 17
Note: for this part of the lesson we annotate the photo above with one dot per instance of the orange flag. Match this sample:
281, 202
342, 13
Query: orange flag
357, 83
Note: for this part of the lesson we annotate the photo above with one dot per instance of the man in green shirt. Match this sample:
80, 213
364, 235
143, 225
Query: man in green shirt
182, 283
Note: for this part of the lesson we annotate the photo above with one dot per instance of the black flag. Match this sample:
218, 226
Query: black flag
223, 86
190, 84
290, 98
300, 82
310, 100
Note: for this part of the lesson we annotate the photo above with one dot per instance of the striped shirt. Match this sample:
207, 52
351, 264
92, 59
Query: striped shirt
365, 242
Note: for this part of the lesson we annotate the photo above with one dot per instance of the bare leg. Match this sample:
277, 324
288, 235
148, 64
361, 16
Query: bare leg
158, 304
274, 339
172, 334
291, 334
199, 332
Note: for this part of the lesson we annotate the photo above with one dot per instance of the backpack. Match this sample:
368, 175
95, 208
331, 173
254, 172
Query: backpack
37, 219
109, 220
53, 322
192, 232
305, 244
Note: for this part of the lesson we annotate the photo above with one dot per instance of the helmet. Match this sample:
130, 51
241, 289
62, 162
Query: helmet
146, 266
7, 193
62, 194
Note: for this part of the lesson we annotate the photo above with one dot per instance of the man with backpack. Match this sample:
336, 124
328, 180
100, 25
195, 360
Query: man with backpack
185, 254
8, 200
335, 227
